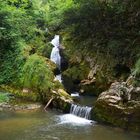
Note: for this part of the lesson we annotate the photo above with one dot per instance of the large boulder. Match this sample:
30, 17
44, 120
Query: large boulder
119, 106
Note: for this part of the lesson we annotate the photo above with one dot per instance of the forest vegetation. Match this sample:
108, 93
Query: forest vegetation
99, 28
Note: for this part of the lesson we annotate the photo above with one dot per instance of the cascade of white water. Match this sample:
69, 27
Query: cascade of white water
81, 111
55, 55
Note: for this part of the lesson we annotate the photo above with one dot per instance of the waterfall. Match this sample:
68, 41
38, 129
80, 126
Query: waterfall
55, 56
81, 111
58, 77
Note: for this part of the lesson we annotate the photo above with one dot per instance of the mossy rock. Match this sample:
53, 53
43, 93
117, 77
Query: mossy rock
127, 119
73, 76
62, 104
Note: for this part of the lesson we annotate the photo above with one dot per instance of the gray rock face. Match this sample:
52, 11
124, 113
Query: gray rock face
120, 106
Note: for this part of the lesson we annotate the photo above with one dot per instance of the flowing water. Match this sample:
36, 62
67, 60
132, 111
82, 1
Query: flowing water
52, 125
55, 56
81, 111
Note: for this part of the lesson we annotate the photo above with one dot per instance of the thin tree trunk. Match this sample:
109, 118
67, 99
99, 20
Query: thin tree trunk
49, 102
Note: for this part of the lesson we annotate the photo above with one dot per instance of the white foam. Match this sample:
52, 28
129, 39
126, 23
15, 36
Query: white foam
74, 120
75, 94
81, 111
58, 77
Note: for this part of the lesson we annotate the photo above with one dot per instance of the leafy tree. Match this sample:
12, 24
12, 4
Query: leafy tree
21, 34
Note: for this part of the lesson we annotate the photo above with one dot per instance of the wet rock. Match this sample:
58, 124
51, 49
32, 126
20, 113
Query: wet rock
119, 106
62, 100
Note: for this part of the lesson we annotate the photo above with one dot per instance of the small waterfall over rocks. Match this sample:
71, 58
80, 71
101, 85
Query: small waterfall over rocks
81, 111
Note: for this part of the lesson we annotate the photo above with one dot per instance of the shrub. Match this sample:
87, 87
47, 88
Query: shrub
37, 75
20, 27
3, 97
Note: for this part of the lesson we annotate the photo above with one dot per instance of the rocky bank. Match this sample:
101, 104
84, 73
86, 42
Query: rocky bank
119, 106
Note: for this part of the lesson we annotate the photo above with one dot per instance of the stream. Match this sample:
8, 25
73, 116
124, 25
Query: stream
53, 125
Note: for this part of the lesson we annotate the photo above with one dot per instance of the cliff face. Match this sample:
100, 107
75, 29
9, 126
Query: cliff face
92, 73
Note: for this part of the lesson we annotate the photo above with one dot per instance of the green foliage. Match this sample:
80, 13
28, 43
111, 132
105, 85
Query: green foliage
21, 34
137, 68
55, 11
37, 75
136, 73
107, 27
23, 43
3, 97
12, 64
46, 51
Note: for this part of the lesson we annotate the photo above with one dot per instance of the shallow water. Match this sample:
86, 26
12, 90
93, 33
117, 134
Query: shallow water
87, 100
51, 125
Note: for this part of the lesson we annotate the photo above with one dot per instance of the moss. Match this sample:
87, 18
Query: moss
74, 74
62, 93
124, 118
50, 64
77, 72
66, 108
3, 97
62, 104
37, 74
18, 93
58, 85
